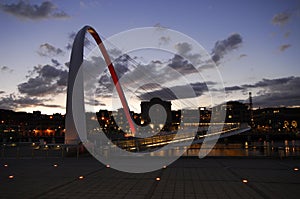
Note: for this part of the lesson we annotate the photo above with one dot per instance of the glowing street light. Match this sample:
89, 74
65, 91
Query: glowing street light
80, 177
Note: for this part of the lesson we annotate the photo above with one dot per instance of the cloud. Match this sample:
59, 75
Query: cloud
284, 47
121, 66
47, 50
94, 102
71, 37
6, 69
12, 102
49, 80
159, 26
2, 92
224, 46
233, 88
265, 83
273, 92
148, 76
276, 99
167, 93
164, 40
281, 18
55, 62
242, 56
183, 48
25, 10
182, 65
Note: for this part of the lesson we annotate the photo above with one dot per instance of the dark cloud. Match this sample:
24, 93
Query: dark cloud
273, 92
159, 26
264, 83
13, 102
284, 47
284, 99
242, 56
233, 88
281, 18
25, 10
106, 85
164, 40
47, 50
71, 37
271, 82
183, 48
49, 80
69, 46
55, 62
182, 65
149, 86
94, 102
164, 94
67, 64
170, 93
2, 92
224, 46
6, 69
114, 53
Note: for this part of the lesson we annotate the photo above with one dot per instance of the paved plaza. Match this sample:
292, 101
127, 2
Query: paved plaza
188, 177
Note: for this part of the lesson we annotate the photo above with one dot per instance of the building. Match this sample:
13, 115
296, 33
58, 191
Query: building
281, 120
17, 126
236, 112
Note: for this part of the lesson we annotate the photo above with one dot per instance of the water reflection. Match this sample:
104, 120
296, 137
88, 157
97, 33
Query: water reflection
284, 148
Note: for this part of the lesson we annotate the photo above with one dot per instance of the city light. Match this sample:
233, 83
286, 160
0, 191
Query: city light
6, 165
80, 177
245, 181
11, 177
157, 179
296, 169
55, 165
107, 166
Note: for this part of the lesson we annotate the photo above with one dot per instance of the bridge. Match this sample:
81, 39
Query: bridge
163, 139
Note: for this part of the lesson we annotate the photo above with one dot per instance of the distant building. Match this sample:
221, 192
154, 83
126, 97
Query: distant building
172, 119
146, 105
277, 119
22, 125
236, 112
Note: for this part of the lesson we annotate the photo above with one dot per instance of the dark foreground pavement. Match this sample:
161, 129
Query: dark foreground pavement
186, 178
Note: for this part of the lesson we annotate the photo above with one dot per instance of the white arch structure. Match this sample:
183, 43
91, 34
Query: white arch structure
75, 71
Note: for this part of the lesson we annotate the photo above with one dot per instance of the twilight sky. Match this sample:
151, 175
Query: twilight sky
255, 45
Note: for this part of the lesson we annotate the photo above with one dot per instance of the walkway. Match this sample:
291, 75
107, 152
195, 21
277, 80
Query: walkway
186, 178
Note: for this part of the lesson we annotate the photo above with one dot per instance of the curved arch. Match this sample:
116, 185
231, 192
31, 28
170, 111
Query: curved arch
71, 136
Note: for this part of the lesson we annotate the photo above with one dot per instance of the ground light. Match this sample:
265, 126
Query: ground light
157, 179
296, 169
11, 177
80, 177
245, 181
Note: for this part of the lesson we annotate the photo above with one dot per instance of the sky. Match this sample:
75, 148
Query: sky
255, 46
